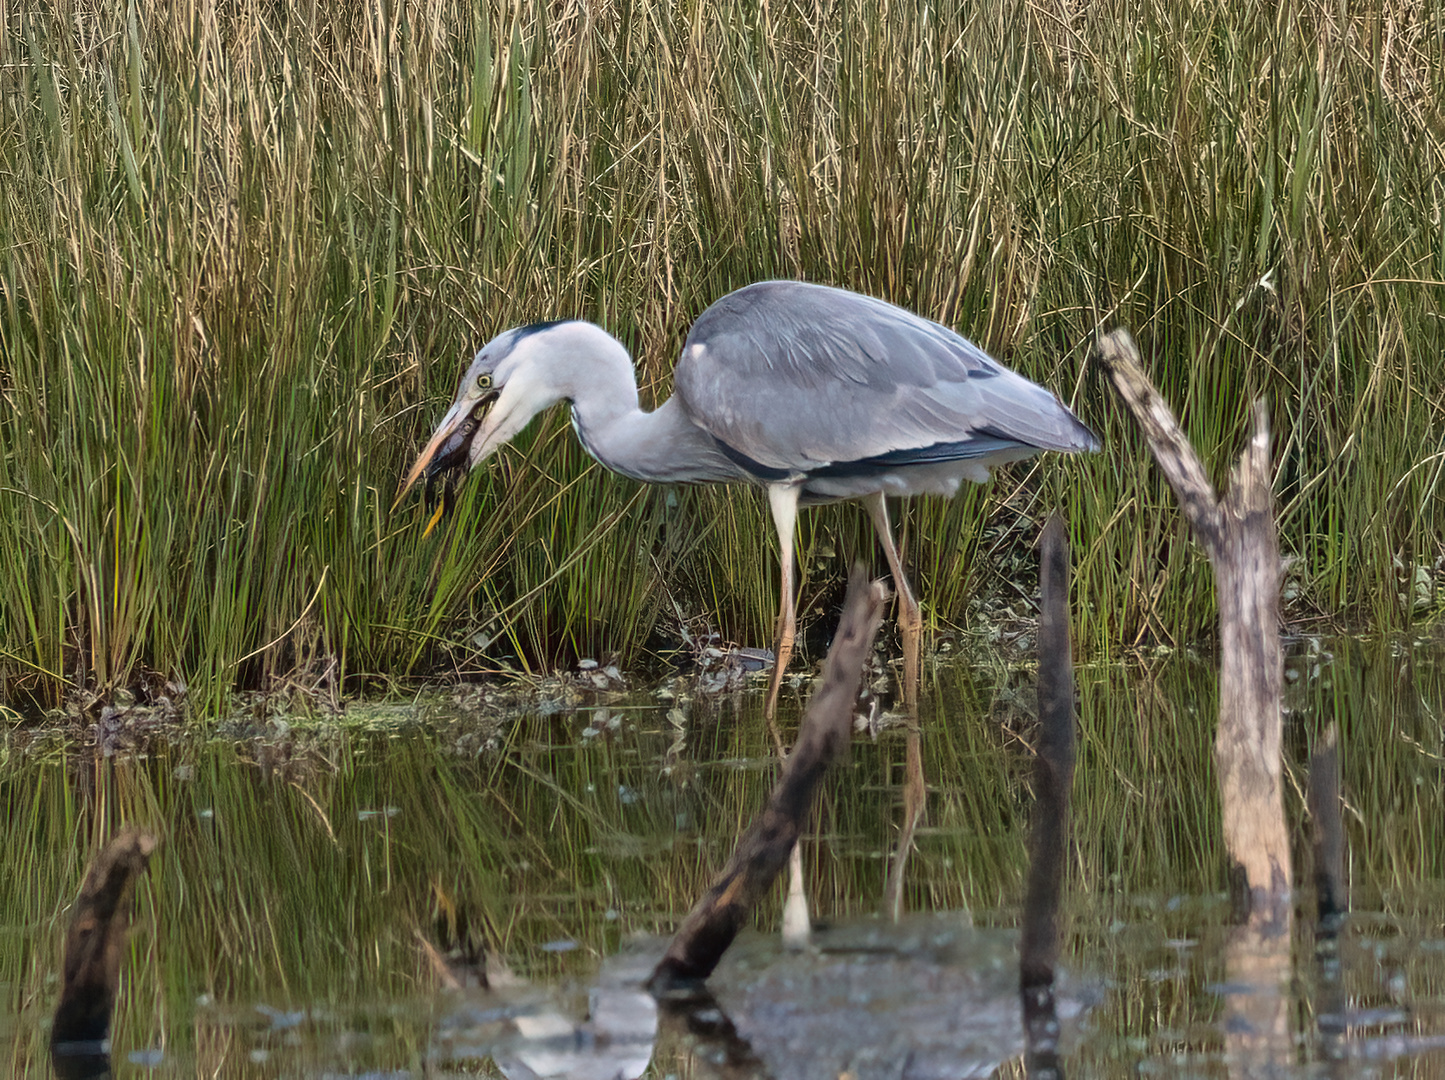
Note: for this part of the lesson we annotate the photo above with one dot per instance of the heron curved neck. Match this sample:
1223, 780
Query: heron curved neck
659, 447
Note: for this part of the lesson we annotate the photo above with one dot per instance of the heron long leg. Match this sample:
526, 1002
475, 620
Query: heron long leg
797, 923
910, 617
915, 786
783, 500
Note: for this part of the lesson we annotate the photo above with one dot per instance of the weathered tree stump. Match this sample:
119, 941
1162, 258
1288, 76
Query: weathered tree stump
1238, 534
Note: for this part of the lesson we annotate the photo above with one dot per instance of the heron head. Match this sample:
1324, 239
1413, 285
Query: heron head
503, 388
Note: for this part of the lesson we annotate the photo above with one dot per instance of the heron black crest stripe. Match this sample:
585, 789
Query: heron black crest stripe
535, 328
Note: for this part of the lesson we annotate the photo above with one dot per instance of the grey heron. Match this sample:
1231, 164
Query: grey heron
814, 393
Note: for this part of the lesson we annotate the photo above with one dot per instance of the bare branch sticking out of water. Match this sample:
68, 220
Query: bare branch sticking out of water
1238, 533
93, 948
763, 850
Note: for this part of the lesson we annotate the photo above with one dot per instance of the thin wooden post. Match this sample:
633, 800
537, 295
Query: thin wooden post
1049, 828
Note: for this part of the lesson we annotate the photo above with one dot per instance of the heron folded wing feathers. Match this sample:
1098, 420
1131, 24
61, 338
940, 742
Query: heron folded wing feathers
798, 378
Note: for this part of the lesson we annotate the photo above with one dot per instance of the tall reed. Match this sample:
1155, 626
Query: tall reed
248, 248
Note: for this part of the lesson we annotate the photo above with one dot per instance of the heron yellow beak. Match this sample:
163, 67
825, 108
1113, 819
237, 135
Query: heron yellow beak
452, 438
436, 517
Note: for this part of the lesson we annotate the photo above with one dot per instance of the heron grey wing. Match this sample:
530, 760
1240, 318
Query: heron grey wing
798, 377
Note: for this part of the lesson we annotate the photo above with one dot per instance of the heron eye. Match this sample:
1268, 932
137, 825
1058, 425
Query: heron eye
484, 381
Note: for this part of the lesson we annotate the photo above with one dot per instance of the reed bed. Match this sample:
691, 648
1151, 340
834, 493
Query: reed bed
248, 248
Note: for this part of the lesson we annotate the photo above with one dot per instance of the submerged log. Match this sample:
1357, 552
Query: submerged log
93, 947
1238, 534
764, 849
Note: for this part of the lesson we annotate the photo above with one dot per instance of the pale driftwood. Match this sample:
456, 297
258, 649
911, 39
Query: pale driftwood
764, 849
1257, 1007
1049, 825
1238, 533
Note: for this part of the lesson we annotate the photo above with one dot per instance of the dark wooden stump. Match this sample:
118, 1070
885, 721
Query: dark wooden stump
1332, 904
93, 948
1328, 833
1049, 824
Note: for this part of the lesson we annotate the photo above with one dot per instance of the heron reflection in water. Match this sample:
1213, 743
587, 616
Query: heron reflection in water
814, 393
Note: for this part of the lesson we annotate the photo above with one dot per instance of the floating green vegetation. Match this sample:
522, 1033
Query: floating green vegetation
247, 249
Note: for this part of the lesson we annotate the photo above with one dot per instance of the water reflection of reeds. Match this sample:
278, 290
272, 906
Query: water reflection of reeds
293, 870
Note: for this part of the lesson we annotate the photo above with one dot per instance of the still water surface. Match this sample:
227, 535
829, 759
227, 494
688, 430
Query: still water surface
279, 929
